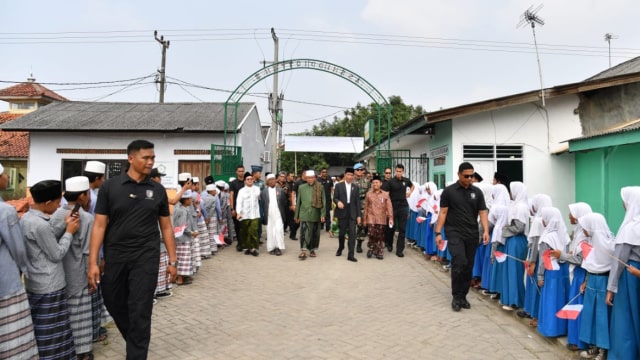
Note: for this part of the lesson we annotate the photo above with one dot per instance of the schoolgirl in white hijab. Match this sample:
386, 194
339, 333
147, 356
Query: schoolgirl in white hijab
624, 331
554, 284
501, 195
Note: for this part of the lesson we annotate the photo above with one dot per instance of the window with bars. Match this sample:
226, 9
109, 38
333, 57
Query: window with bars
485, 152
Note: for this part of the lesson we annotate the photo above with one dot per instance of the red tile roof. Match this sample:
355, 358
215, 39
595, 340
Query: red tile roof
13, 144
30, 90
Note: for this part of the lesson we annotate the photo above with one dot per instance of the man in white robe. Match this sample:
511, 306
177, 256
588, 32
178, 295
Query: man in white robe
273, 201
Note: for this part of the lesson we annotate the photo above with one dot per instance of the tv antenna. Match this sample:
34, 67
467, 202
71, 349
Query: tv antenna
530, 16
608, 37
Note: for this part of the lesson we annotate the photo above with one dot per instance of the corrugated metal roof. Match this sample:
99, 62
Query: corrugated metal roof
627, 67
631, 127
139, 117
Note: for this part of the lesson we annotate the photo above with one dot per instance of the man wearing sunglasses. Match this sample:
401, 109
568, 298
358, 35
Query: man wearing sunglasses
399, 188
460, 206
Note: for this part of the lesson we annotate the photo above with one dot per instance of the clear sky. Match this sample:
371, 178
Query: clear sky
433, 53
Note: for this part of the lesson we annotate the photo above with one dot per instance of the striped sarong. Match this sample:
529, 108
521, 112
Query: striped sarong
196, 260
81, 317
163, 281
51, 325
203, 236
183, 252
17, 340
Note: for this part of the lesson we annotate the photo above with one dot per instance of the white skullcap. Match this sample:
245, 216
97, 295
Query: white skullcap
211, 187
226, 186
184, 176
220, 183
271, 176
95, 167
76, 184
310, 173
195, 179
187, 194
231, 179
1, 169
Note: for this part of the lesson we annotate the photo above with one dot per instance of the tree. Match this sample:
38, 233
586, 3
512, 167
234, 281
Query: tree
350, 125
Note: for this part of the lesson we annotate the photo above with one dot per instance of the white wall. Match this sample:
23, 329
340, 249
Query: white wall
527, 125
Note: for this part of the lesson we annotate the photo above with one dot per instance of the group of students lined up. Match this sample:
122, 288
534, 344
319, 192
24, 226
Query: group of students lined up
566, 284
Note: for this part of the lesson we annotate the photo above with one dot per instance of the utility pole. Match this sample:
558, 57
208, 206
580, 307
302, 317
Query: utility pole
275, 107
608, 37
161, 72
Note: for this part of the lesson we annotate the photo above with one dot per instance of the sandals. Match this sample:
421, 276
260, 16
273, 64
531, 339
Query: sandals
312, 254
533, 323
85, 356
303, 255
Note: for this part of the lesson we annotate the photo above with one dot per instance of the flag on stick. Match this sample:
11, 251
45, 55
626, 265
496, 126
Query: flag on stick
550, 263
421, 219
586, 249
179, 230
443, 245
500, 256
570, 311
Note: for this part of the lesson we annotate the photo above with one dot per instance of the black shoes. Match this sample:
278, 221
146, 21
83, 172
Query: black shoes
293, 238
369, 254
455, 306
399, 254
389, 248
464, 304
359, 247
339, 252
351, 258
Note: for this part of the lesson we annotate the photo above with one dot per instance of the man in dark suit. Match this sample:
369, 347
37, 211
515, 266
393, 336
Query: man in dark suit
273, 201
346, 196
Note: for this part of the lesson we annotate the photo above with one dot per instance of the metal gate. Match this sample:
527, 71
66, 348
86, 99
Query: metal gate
415, 168
224, 159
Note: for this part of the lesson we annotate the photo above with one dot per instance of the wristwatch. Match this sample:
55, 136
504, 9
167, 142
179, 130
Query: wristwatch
438, 233
173, 263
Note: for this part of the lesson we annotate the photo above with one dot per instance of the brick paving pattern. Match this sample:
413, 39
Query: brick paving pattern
269, 307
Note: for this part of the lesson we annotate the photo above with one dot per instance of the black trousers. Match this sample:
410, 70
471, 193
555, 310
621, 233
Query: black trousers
347, 225
399, 223
128, 289
236, 225
327, 216
463, 252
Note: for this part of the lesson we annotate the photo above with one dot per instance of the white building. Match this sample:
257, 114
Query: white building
66, 135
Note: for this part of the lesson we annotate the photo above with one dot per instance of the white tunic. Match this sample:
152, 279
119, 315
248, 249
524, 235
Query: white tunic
275, 227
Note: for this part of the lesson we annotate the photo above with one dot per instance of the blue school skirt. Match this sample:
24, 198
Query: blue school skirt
497, 273
532, 294
596, 314
625, 318
513, 275
486, 268
573, 326
428, 237
553, 296
411, 228
478, 262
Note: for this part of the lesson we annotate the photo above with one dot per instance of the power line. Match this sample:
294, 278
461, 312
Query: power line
80, 83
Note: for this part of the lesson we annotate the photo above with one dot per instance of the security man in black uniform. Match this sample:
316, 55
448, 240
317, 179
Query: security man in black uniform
129, 208
460, 205
399, 188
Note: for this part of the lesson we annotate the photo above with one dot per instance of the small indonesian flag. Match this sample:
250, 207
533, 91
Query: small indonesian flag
570, 311
435, 208
421, 219
220, 238
586, 249
179, 230
443, 245
500, 256
550, 263
421, 201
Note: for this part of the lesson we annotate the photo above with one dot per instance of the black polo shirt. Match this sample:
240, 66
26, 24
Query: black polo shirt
235, 186
328, 185
133, 210
463, 207
397, 191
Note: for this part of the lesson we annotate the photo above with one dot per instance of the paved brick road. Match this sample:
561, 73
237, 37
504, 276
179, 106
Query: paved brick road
242, 307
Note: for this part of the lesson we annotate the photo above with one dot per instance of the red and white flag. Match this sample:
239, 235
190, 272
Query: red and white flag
443, 245
500, 256
550, 263
586, 249
570, 311
179, 230
421, 219
421, 201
